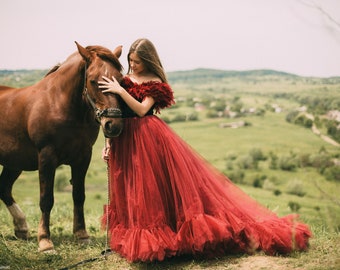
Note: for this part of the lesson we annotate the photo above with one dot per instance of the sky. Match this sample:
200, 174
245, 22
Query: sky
296, 36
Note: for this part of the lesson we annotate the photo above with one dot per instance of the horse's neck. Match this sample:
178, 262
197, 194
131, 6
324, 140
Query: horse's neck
71, 69
68, 78
68, 82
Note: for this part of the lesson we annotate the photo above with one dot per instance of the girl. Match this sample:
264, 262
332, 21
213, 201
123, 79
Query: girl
165, 199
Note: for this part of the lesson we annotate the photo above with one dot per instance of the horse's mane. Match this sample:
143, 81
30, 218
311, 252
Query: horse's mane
53, 69
106, 54
102, 53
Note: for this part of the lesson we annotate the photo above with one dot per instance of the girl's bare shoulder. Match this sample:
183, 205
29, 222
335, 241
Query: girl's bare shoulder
144, 79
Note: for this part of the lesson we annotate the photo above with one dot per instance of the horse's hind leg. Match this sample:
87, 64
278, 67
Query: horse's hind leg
78, 194
7, 179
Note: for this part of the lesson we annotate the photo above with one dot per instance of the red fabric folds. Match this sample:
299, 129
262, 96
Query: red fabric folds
166, 200
161, 92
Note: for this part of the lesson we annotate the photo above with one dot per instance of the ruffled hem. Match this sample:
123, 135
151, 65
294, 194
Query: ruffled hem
281, 235
144, 245
166, 200
207, 236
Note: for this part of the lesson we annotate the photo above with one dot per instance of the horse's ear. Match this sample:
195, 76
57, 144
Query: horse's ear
83, 52
118, 51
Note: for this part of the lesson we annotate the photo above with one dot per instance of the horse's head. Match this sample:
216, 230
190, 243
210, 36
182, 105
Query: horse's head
100, 61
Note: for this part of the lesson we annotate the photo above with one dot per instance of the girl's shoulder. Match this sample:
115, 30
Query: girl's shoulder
161, 92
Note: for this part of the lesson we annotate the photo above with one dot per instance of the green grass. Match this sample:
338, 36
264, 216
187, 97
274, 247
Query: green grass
269, 133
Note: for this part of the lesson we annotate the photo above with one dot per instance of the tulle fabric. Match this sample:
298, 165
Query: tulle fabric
166, 200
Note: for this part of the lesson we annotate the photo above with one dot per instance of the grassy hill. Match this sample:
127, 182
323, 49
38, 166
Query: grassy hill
280, 164
192, 76
20, 78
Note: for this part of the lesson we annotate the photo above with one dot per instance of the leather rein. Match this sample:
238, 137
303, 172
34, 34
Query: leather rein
107, 112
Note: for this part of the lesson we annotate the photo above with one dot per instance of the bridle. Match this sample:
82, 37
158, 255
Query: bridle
107, 112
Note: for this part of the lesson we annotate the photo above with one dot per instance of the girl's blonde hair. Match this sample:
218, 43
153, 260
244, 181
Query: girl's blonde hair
147, 52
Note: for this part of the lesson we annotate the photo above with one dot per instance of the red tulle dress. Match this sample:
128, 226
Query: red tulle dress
166, 200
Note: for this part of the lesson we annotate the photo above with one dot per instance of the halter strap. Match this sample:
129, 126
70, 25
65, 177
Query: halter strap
107, 112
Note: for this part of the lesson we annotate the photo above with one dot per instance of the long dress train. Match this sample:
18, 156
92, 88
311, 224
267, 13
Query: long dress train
166, 200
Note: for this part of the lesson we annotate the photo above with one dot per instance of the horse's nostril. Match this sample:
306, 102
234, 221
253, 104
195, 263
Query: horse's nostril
112, 129
108, 125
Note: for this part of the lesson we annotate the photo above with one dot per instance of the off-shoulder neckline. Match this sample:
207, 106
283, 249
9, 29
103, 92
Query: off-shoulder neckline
145, 82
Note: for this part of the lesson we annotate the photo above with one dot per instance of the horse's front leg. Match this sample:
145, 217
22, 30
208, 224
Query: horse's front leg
47, 167
78, 193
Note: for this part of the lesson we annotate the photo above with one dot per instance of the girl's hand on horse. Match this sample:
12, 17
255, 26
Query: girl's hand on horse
110, 86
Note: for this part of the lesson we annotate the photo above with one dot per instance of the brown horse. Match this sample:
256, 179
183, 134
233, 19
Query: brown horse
56, 121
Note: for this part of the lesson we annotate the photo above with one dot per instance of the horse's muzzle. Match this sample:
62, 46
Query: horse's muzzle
112, 127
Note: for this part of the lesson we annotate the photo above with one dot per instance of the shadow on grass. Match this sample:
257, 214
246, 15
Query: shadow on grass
19, 254
188, 262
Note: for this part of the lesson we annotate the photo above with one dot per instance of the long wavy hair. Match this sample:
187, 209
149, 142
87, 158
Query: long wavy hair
147, 52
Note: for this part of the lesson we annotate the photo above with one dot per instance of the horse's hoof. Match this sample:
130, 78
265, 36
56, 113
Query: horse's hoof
50, 252
46, 246
24, 235
82, 237
84, 241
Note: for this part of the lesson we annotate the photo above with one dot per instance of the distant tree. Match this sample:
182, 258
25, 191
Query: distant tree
296, 187
294, 206
273, 161
219, 105
290, 117
287, 163
321, 161
333, 130
257, 154
333, 173
212, 114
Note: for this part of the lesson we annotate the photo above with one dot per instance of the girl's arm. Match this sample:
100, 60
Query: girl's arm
112, 86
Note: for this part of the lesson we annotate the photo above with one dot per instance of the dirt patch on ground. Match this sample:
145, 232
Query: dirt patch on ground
254, 262
263, 263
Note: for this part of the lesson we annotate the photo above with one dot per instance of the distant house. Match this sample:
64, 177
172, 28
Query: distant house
334, 115
199, 107
230, 114
181, 99
276, 108
197, 99
252, 110
302, 109
232, 124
